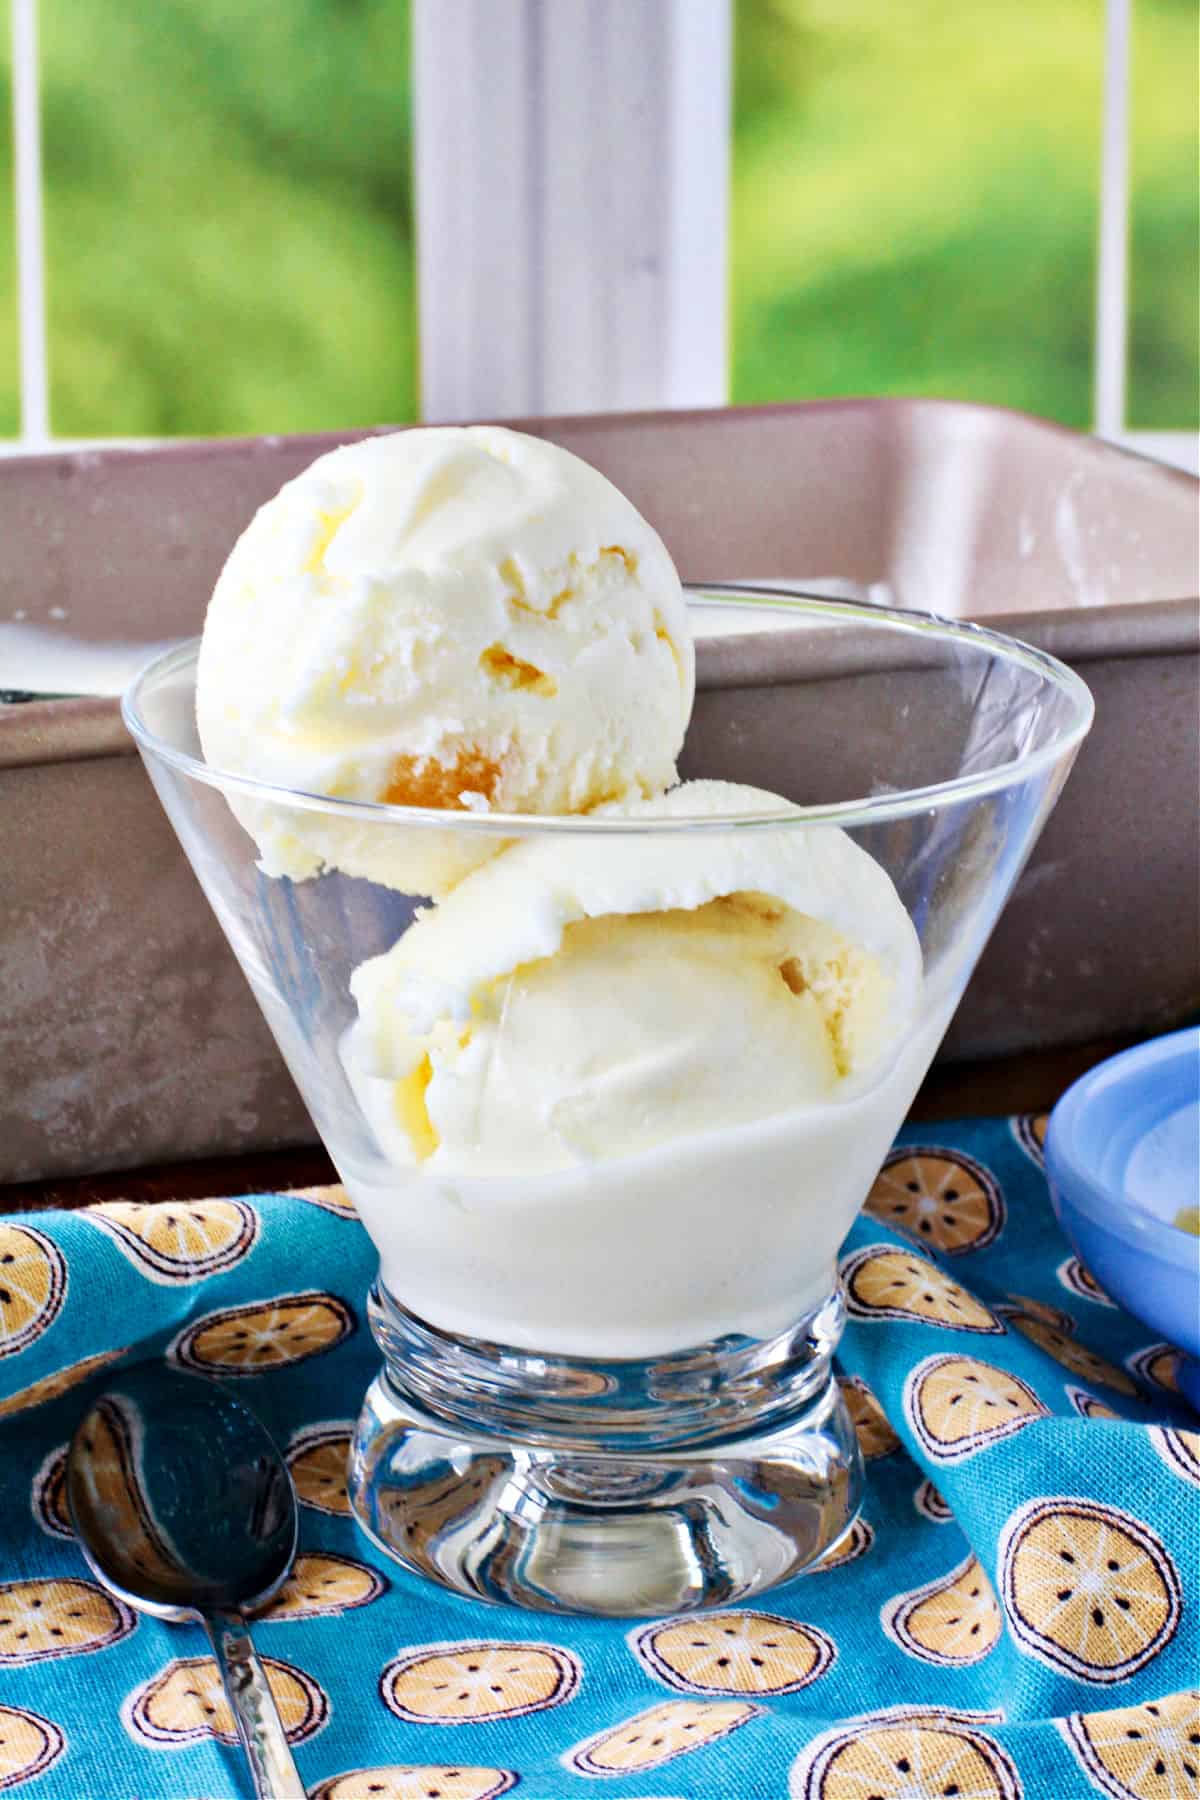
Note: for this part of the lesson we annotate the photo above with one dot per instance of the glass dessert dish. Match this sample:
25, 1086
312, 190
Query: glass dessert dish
608, 1108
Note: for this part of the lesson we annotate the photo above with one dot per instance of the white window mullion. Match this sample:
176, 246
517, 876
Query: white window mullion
1110, 403
698, 203
572, 162
30, 252
1112, 262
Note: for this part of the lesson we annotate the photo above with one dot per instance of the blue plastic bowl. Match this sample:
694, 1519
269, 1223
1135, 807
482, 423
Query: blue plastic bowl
1123, 1157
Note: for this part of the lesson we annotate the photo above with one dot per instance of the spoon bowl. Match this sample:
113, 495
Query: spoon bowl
184, 1507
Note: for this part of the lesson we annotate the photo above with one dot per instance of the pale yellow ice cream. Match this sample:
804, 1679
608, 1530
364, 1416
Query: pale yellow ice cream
460, 618
582, 999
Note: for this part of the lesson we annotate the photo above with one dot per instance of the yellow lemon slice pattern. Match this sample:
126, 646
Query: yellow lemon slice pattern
942, 1198
185, 1702
48, 1496
958, 1406
41, 1620
429, 1781
33, 1284
317, 1458
933, 1715
333, 1199
1079, 1280
871, 1428
930, 1504
659, 1735
1076, 1357
40, 1393
904, 1761
322, 1583
172, 1242
1021, 1306
1157, 1364
882, 1282
734, 1653
1180, 1450
451, 1684
952, 1621
271, 1334
29, 1745
853, 1544
1087, 1589
1149, 1752
1029, 1129
1089, 1406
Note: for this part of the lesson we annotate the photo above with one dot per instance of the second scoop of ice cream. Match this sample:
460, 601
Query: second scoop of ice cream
582, 999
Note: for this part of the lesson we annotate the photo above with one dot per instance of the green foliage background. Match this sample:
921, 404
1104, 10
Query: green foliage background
915, 202
230, 235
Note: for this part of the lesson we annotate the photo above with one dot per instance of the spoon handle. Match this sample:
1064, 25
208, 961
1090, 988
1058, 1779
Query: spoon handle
253, 1704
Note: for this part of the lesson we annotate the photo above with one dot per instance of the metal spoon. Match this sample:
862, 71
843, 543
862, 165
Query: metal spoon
184, 1508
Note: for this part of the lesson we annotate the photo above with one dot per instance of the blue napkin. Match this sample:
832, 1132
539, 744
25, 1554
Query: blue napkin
1014, 1615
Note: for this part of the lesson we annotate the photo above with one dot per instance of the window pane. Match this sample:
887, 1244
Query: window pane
10, 405
914, 202
1164, 358
229, 225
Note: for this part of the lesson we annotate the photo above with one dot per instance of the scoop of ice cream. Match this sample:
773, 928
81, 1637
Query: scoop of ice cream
462, 618
590, 997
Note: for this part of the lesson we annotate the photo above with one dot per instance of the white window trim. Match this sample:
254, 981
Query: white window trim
29, 248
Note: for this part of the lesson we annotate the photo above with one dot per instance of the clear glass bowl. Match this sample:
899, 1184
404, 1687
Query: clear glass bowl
607, 1380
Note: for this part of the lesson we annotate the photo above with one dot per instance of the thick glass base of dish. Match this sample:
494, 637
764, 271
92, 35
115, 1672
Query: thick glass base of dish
622, 1488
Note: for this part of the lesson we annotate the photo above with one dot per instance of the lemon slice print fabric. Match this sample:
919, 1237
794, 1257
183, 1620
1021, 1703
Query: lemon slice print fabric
453, 1684
1029, 1129
957, 1406
332, 1199
953, 1621
42, 1620
48, 1495
185, 1702
931, 1505
1020, 1306
427, 1781
1079, 1280
942, 1198
734, 1653
317, 1458
1089, 1406
874, 1433
659, 1735
40, 1393
1180, 1450
177, 1242
883, 1282
1157, 1365
33, 1284
1076, 1357
905, 1760
29, 1745
322, 1583
245, 1340
1148, 1752
1087, 1589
